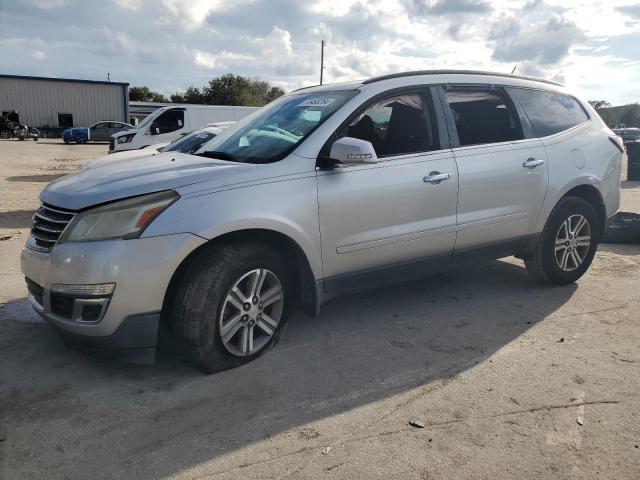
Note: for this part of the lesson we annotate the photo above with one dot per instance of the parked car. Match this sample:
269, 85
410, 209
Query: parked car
187, 144
326, 191
98, 132
628, 134
170, 123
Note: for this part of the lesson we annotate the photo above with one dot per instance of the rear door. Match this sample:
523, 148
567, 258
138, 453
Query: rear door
502, 167
378, 219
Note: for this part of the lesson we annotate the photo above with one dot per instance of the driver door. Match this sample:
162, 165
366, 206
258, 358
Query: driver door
100, 132
385, 219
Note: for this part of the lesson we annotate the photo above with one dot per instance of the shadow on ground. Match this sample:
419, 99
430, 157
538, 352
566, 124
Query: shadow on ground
16, 219
81, 417
43, 178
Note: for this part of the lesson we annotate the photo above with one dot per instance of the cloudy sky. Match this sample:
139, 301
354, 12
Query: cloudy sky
592, 46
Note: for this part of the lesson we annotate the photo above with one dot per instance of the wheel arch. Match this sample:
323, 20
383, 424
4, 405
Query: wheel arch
303, 280
590, 194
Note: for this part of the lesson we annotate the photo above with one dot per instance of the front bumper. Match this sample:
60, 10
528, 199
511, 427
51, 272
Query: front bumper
141, 270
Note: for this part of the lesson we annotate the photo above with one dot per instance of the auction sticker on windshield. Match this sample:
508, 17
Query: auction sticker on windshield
317, 102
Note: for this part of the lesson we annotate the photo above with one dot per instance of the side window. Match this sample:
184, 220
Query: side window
549, 112
170, 121
396, 125
483, 116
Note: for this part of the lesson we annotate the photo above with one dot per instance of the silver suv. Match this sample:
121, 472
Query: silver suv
326, 190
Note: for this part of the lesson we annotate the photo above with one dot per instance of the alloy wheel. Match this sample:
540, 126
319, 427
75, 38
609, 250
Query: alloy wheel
573, 242
251, 312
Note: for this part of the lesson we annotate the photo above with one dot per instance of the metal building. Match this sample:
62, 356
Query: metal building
43, 102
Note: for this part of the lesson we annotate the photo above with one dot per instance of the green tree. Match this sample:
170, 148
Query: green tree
190, 95
230, 89
144, 94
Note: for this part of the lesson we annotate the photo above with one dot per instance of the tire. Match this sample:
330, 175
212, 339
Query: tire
560, 257
202, 307
21, 138
5, 135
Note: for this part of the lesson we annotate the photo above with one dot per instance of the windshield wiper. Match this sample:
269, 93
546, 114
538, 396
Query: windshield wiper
217, 155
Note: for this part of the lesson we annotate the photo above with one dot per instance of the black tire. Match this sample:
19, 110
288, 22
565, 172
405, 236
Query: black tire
199, 297
21, 138
542, 263
5, 135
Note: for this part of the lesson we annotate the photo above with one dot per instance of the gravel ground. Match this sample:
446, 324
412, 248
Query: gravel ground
508, 378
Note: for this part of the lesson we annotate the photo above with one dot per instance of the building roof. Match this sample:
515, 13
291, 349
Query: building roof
74, 80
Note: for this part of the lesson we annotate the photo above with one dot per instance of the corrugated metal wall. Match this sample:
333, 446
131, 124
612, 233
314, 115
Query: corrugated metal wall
40, 101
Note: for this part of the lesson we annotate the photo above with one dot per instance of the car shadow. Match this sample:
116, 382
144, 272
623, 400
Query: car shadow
16, 219
42, 178
121, 421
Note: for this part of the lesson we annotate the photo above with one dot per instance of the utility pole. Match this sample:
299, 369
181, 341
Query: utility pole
322, 44
108, 77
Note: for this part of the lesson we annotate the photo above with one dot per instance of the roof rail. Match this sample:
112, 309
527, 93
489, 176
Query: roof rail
458, 72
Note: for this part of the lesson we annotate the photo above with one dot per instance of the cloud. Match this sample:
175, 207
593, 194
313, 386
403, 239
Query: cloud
544, 42
632, 11
38, 55
447, 7
204, 59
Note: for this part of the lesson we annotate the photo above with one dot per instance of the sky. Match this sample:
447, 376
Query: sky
591, 46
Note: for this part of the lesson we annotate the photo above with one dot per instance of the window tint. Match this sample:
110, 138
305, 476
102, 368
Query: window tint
170, 121
483, 116
395, 125
548, 112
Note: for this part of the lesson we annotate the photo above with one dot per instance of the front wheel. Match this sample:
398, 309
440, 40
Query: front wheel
568, 243
231, 305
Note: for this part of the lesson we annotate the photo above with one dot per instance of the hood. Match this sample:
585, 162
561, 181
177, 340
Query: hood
127, 177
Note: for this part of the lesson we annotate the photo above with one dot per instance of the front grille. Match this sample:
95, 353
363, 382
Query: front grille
112, 144
48, 225
35, 290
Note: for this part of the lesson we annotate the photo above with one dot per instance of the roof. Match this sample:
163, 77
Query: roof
55, 79
356, 84
459, 72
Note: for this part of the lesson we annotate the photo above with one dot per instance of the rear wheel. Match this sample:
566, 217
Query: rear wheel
231, 305
568, 243
5, 135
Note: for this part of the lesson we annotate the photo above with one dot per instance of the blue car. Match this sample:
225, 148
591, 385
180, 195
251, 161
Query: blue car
98, 132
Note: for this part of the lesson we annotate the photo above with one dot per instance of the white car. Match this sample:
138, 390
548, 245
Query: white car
323, 192
186, 144
170, 123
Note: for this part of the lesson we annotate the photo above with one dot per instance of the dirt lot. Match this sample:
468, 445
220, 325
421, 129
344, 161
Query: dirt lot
511, 379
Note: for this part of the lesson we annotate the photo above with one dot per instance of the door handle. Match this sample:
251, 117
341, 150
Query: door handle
435, 178
532, 163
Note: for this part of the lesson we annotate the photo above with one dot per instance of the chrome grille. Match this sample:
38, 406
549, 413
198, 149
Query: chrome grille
48, 225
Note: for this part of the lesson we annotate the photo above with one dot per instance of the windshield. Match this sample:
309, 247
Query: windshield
152, 116
272, 132
189, 143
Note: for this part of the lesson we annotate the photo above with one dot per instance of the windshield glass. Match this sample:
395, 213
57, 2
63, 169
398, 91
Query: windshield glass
272, 132
152, 116
189, 143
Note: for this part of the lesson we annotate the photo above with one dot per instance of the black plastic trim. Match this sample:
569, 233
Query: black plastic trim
423, 267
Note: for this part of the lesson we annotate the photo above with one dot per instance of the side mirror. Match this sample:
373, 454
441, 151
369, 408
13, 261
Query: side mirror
154, 130
349, 151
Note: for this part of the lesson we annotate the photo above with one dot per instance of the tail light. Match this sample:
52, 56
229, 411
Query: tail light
618, 142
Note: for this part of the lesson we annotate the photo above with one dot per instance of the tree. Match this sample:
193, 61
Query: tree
597, 104
190, 95
144, 94
230, 89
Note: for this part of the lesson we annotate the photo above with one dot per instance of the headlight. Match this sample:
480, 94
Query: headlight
122, 219
126, 138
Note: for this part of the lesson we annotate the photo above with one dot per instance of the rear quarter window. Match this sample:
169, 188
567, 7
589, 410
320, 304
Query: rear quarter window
550, 112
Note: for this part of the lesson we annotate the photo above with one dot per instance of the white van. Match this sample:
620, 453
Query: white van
169, 123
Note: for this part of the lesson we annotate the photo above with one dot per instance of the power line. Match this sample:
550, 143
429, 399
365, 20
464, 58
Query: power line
322, 44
